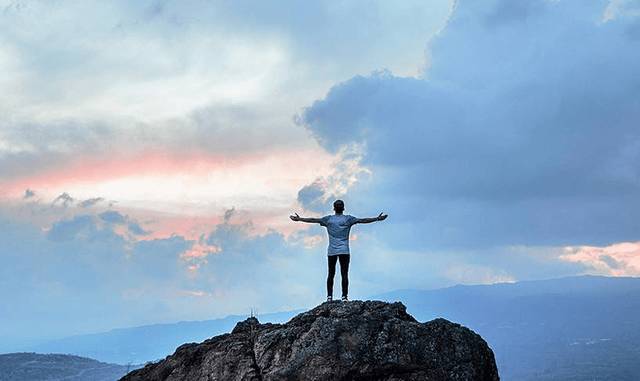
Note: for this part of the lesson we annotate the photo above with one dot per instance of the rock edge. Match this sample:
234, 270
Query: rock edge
357, 340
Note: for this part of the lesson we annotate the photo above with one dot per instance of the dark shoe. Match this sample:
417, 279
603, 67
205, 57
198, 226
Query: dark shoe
329, 298
345, 299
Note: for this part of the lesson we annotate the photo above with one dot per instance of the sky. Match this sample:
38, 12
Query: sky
152, 151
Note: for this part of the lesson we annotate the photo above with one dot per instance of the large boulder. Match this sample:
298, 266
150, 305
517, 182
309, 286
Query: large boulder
354, 340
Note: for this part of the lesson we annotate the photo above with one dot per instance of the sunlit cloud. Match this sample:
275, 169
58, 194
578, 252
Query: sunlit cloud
166, 179
618, 259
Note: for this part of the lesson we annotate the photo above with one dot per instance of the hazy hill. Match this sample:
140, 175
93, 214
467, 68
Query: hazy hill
38, 367
138, 345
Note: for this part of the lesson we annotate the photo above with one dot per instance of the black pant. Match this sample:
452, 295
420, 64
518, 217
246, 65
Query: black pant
344, 271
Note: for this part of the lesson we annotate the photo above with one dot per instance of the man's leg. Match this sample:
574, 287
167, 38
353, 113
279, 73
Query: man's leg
331, 260
344, 272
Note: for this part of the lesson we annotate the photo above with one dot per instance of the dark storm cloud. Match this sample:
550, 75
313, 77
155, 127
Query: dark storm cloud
523, 131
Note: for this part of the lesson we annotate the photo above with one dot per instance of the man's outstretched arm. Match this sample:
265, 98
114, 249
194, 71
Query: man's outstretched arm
380, 217
296, 217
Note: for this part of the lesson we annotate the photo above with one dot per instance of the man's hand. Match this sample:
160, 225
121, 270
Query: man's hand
296, 217
368, 220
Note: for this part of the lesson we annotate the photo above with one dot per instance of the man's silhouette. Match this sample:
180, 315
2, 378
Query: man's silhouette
338, 227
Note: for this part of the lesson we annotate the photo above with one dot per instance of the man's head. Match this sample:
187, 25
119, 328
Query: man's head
338, 206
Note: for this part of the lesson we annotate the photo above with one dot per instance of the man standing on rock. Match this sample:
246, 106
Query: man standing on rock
338, 227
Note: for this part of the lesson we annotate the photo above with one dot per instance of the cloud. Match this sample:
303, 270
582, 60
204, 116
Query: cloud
228, 214
91, 271
113, 217
107, 225
208, 78
66, 274
64, 230
63, 199
515, 135
312, 196
84, 274
620, 259
136, 229
104, 226
88, 273
116, 218
90, 202
192, 110
346, 171
621, 8
28, 193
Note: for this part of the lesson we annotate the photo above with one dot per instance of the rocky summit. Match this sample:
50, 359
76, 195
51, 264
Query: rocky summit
355, 340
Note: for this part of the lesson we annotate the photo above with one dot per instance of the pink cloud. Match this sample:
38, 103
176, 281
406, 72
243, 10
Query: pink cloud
96, 169
200, 251
164, 225
206, 184
618, 259
191, 227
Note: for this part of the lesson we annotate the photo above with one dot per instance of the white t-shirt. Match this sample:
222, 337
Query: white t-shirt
338, 227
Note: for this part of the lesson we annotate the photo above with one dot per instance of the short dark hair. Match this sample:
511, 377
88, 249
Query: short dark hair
338, 206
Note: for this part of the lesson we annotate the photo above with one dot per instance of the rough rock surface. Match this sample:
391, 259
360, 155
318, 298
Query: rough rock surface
335, 341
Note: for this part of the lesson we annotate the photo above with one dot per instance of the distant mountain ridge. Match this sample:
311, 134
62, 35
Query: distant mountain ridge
56, 367
137, 345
